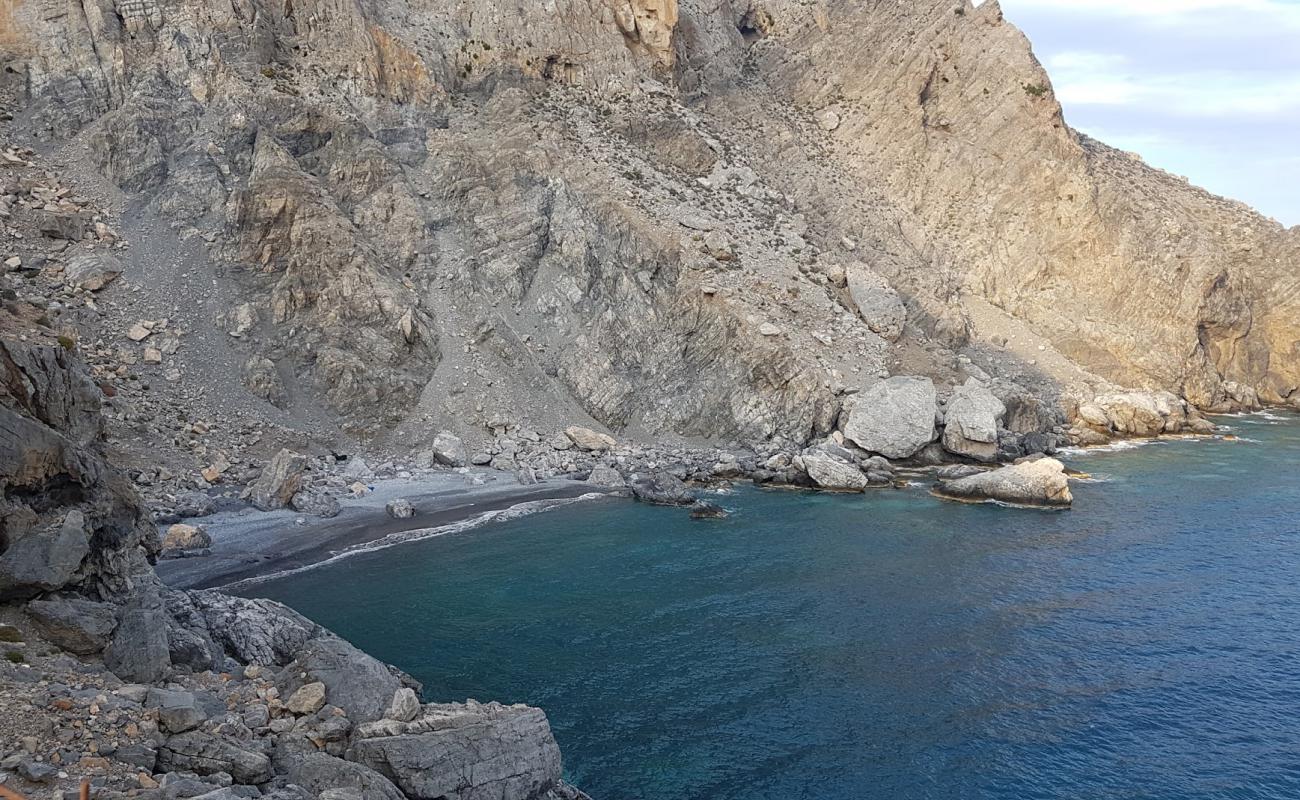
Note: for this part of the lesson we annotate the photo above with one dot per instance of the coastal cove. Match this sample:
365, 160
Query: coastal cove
881, 645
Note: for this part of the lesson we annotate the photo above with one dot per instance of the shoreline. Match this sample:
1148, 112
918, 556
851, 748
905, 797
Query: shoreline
251, 546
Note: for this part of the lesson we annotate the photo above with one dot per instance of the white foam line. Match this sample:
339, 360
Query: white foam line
419, 534
1113, 447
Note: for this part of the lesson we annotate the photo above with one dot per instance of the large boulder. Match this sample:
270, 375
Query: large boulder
279, 482
606, 477
831, 473
1135, 413
587, 439
178, 711
1040, 482
876, 301
205, 754
971, 422
893, 417
317, 503
92, 271
76, 625
661, 489
449, 450
464, 752
186, 537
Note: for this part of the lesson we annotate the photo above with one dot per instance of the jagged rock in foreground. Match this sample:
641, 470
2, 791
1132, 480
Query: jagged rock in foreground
229, 697
467, 752
1036, 482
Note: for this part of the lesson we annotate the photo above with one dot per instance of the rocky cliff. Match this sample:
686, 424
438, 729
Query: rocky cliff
155, 693
712, 220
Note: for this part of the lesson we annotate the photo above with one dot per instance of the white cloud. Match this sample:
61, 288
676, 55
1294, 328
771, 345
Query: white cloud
1085, 78
1205, 88
1168, 11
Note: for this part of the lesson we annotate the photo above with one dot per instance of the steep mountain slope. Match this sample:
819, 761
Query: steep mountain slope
714, 219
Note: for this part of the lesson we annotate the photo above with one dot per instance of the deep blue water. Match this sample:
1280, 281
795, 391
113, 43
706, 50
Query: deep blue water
1144, 645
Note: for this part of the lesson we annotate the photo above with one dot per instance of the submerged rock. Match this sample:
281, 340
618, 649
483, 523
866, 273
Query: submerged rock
662, 489
703, 509
1041, 482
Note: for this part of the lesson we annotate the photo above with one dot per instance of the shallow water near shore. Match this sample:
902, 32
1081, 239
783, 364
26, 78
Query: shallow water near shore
888, 645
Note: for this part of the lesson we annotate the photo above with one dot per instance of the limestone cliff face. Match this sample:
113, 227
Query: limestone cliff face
944, 109
643, 212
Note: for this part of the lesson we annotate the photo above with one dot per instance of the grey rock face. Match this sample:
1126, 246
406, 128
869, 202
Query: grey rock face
139, 649
279, 481
466, 752
876, 301
971, 422
253, 631
1041, 482
205, 754
893, 417
831, 473
44, 560
76, 625
319, 773
354, 681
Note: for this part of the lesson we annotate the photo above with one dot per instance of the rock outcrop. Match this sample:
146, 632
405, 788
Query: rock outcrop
572, 210
276, 722
467, 752
1037, 482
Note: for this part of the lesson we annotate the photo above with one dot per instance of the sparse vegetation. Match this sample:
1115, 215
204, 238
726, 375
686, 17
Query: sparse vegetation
1036, 89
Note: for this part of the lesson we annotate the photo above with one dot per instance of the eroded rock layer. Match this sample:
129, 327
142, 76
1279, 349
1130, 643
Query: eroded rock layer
714, 220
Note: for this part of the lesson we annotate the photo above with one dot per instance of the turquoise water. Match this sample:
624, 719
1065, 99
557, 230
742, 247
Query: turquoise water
1144, 645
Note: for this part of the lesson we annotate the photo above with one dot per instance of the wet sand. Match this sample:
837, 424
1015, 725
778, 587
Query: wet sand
249, 544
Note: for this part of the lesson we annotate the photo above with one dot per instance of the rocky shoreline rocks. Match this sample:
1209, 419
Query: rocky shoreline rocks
155, 693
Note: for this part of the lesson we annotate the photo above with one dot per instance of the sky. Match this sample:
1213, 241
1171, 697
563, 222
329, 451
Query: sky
1208, 89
